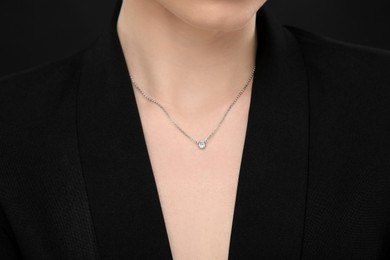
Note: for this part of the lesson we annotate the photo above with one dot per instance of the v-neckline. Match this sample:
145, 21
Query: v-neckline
268, 219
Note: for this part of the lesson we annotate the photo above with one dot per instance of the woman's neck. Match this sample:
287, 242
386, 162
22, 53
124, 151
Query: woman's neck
182, 66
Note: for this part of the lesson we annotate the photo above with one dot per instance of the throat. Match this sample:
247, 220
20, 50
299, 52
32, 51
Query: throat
183, 67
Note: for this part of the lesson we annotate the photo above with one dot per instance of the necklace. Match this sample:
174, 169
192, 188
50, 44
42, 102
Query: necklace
202, 142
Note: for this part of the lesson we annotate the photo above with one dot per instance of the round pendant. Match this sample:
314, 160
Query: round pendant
202, 144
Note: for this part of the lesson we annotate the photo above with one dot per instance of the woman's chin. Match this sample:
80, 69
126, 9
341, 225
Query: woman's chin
221, 23
226, 15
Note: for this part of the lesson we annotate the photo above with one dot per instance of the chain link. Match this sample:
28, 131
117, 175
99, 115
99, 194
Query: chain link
201, 143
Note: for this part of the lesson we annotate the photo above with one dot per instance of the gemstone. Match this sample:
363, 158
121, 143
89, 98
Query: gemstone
202, 144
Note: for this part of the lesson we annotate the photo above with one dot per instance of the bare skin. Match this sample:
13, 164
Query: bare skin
193, 57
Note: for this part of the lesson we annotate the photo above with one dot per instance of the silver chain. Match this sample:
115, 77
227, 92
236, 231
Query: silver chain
201, 143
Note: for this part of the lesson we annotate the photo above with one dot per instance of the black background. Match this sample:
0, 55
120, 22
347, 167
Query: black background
40, 31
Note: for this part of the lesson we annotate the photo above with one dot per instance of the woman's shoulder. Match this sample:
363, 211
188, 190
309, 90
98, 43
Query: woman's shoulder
58, 69
32, 94
310, 40
339, 72
330, 56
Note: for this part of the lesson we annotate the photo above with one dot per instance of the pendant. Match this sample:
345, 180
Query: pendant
202, 144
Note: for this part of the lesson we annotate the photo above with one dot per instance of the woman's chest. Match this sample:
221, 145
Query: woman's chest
197, 205
196, 188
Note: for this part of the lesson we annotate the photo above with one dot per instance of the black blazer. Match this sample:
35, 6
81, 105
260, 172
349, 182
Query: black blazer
76, 180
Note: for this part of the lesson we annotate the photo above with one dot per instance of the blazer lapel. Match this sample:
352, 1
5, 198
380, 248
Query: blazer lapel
270, 204
123, 197
120, 184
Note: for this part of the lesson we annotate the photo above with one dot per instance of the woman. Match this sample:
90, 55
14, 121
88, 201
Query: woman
198, 130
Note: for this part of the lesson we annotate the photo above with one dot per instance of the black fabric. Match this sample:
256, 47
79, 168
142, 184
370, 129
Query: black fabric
76, 180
